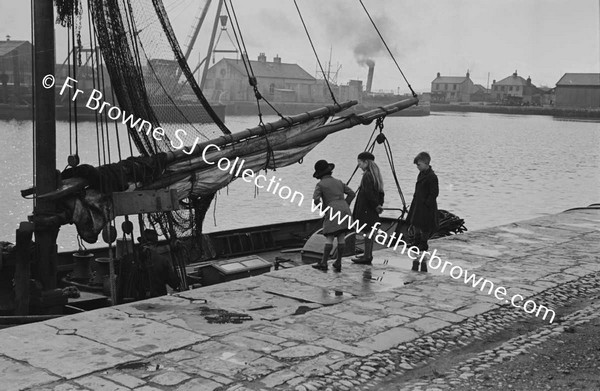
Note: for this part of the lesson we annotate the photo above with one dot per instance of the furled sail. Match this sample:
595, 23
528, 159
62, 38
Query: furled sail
194, 174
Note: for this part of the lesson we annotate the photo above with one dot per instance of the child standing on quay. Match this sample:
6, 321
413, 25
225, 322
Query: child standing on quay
423, 212
337, 196
369, 203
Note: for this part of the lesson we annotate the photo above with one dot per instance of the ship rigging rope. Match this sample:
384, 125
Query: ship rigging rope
137, 57
33, 99
253, 82
170, 35
316, 55
69, 75
248, 64
71, 50
388, 49
93, 43
381, 139
106, 143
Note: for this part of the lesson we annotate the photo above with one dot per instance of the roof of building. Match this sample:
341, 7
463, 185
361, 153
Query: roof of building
450, 79
478, 88
579, 79
8, 46
271, 69
512, 80
532, 90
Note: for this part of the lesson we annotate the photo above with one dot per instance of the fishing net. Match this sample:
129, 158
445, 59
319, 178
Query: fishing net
151, 77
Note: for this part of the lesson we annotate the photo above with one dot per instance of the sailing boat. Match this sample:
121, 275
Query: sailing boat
172, 160
171, 183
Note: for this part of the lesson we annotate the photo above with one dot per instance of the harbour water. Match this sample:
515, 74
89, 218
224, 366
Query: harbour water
493, 169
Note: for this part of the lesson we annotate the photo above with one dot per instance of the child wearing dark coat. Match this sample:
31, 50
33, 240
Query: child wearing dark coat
369, 202
423, 212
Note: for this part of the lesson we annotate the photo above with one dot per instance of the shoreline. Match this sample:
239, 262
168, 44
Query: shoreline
517, 110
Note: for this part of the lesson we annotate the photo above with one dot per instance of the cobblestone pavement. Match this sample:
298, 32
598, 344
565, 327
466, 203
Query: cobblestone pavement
368, 328
472, 373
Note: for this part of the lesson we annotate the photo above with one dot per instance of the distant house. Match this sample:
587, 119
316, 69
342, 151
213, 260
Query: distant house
15, 69
580, 90
549, 96
447, 89
227, 80
516, 90
479, 93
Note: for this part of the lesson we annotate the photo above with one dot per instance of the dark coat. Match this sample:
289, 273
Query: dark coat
423, 212
336, 195
367, 201
160, 273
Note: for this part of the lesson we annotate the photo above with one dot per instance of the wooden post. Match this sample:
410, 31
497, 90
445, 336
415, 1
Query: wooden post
45, 140
22, 268
112, 279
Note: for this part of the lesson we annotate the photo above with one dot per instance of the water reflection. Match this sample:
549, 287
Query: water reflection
368, 275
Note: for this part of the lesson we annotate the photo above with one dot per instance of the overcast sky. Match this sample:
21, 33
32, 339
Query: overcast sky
539, 38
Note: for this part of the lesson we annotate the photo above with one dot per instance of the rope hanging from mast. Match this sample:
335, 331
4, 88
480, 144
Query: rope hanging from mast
247, 63
316, 55
388, 49
252, 81
381, 139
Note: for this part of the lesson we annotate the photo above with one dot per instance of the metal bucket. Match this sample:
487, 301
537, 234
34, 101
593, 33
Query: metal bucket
81, 266
102, 269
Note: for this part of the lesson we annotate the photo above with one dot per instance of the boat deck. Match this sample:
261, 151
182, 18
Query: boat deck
302, 329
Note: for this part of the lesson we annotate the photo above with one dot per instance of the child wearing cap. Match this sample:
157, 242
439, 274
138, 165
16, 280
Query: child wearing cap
423, 212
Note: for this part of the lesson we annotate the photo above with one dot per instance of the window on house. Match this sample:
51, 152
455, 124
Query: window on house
437, 86
502, 88
272, 88
452, 94
495, 88
517, 88
510, 88
454, 87
446, 87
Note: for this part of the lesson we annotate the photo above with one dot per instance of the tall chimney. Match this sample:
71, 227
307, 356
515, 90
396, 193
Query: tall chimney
370, 76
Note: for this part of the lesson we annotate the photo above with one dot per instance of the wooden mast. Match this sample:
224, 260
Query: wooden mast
44, 141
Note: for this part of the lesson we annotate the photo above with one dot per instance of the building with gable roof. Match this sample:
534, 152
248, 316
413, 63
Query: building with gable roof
516, 90
581, 90
227, 80
15, 70
448, 89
